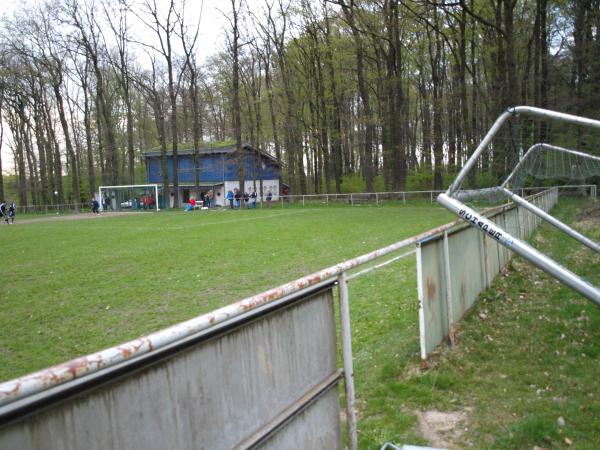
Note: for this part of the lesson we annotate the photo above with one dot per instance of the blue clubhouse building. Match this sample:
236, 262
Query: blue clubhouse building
218, 169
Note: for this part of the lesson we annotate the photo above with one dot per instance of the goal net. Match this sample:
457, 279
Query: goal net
527, 150
135, 197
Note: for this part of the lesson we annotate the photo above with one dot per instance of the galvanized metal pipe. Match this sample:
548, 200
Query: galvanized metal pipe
537, 258
421, 297
552, 220
448, 276
347, 357
534, 147
478, 151
525, 110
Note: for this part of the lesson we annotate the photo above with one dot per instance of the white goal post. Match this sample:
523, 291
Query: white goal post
451, 199
127, 197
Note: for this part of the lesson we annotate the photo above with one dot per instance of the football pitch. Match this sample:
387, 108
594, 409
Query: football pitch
73, 287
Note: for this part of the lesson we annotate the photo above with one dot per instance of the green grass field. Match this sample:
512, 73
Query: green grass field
528, 353
72, 287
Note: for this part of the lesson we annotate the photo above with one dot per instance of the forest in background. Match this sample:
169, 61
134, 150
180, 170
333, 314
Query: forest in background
371, 93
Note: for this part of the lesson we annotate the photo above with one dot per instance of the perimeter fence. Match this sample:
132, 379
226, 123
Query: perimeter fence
320, 200
401, 197
260, 373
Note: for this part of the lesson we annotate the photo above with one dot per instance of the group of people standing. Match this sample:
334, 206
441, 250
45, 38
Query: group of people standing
8, 213
206, 201
235, 199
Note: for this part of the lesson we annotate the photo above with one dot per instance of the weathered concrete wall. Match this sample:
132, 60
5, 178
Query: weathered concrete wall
474, 261
212, 395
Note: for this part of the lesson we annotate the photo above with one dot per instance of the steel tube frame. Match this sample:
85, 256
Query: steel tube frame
447, 275
521, 248
525, 110
552, 220
486, 226
347, 357
548, 146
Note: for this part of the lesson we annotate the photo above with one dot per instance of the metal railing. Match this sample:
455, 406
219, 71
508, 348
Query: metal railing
378, 198
353, 198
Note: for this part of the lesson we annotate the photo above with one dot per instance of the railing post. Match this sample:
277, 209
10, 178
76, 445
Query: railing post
376, 198
449, 312
404, 198
347, 356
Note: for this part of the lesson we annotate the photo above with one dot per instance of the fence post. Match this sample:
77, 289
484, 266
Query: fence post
303, 201
484, 260
376, 198
351, 200
404, 198
347, 356
449, 311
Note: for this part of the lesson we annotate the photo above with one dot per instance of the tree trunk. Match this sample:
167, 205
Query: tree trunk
235, 91
70, 152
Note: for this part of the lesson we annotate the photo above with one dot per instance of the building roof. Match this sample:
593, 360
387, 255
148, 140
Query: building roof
230, 149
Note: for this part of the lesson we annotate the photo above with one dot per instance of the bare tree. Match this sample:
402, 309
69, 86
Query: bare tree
120, 33
165, 31
188, 42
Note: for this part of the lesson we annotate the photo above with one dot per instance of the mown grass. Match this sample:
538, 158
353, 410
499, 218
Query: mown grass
72, 287
528, 354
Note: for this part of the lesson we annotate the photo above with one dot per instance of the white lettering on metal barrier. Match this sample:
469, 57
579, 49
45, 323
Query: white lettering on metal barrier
484, 225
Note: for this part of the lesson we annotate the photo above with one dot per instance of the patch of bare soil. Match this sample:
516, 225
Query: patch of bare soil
591, 212
442, 429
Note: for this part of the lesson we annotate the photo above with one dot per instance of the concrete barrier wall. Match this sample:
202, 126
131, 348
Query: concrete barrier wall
268, 381
448, 287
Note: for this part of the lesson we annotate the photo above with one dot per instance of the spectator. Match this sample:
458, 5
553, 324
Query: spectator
246, 198
253, 197
229, 197
269, 198
237, 196
12, 211
192, 204
3, 212
95, 206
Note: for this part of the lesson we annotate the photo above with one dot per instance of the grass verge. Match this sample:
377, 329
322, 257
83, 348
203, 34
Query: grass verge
523, 375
